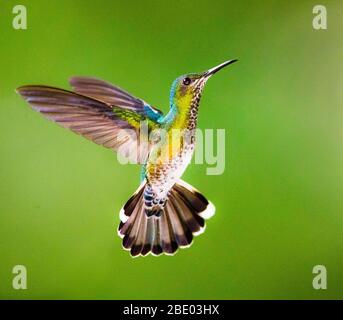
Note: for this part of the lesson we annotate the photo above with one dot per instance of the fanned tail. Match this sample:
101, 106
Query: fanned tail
182, 218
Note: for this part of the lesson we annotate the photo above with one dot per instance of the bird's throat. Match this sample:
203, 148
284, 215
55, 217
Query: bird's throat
184, 114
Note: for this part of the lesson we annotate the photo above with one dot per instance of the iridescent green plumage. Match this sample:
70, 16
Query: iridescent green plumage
165, 212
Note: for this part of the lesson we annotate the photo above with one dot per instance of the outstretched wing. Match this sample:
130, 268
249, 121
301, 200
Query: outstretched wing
110, 126
113, 95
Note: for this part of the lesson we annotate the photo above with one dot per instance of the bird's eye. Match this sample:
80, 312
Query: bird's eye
186, 81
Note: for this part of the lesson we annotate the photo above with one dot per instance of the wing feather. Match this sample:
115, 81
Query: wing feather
89, 117
113, 95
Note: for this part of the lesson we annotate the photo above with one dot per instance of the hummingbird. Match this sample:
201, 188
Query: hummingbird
165, 212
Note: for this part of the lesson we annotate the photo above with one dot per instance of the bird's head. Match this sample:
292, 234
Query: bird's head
187, 89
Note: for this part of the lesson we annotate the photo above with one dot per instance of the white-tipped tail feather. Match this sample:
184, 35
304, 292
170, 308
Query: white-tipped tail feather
183, 217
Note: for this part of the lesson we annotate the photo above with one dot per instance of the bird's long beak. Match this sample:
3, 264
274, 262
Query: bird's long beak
213, 70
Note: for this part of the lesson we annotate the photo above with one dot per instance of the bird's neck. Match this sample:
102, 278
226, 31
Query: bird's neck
182, 115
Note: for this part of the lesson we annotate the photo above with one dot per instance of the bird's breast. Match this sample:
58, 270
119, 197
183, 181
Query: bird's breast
166, 166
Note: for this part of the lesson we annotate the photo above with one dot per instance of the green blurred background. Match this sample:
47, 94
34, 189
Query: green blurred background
279, 201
